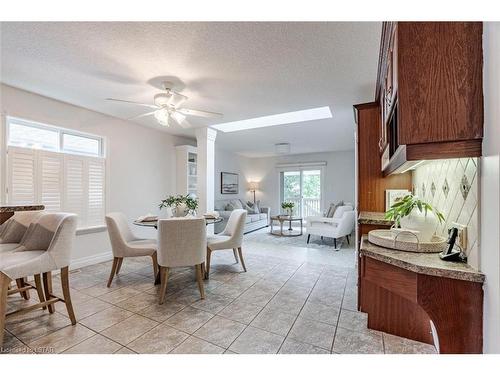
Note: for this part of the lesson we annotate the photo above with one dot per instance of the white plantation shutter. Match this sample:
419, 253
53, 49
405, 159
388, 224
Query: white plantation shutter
50, 177
21, 171
95, 203
75, 186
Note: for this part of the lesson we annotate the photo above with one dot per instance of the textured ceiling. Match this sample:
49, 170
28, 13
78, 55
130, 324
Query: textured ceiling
243, 70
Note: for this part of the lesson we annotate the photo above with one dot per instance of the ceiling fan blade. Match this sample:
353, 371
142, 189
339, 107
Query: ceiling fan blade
185, 125
198, 113
130, 102
142, 115
176, 99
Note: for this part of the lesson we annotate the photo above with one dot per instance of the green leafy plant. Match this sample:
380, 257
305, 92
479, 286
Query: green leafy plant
404, 206
287, 205
174, 201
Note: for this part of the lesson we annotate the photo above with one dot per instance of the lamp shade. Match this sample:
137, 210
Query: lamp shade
253, 185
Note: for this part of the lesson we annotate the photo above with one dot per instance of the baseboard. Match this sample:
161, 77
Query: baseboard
91, 260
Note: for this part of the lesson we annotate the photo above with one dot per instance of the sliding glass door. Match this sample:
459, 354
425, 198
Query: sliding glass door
302, 187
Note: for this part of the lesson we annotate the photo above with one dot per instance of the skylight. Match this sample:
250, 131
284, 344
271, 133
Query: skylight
273, 120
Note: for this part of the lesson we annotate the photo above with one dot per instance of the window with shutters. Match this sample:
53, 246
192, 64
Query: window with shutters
65, 172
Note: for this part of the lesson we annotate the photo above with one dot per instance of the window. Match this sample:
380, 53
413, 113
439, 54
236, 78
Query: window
61, 169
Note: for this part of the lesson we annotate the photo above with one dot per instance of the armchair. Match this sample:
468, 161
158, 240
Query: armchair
340, 225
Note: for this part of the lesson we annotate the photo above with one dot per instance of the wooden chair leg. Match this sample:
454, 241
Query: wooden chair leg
119, 265
203, 269
113, 271
241, 259
4, 288
39, 289
235, 252
67, 294
209, 255
21, 283
164, 281
154, 257
199, 279
47, 288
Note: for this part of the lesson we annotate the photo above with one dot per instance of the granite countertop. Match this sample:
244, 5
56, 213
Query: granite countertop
423, 263
36, 207
374, 218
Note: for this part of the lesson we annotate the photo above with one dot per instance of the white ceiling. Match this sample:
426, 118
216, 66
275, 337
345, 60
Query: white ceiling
243, 70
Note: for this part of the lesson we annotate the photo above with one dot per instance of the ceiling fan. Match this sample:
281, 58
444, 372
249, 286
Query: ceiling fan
168, 108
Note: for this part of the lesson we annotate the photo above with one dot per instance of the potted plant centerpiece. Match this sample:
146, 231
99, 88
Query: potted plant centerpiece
180, 205
410, 214
288, 207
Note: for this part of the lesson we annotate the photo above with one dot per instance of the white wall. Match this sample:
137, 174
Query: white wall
339, 175
490, 188
140, 161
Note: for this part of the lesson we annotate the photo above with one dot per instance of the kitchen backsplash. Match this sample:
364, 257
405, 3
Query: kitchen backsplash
452, 186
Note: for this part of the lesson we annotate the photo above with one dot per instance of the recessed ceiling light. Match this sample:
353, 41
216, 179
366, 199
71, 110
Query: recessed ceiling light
273, 120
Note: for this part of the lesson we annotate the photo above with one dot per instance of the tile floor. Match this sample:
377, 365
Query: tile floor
293, 299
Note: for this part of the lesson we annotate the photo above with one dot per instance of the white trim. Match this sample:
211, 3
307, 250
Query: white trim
91, 260
301, 165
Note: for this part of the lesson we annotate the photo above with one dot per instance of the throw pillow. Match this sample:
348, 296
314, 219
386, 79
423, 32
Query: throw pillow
37, 237
235, 204
253, 208
333, 208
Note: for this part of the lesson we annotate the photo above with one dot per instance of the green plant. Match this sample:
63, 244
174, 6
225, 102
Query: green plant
287, 205
174, 201
404, 206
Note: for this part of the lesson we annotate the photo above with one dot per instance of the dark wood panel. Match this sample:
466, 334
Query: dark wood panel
456, 309
443, 150
4, 216
440, 81
394, 279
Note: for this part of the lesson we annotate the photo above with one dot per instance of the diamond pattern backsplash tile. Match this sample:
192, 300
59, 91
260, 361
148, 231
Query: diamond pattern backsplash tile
452, 186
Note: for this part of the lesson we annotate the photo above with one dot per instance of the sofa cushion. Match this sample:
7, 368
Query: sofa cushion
254, 217
263, 216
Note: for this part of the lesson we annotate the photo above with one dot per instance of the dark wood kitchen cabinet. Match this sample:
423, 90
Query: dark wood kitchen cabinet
429, 88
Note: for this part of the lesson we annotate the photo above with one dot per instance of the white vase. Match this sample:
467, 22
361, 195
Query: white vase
419, 222
179, 211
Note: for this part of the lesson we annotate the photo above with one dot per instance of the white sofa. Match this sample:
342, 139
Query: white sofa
340, 225
252, 221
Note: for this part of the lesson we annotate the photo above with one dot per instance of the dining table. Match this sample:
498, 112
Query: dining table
154, 224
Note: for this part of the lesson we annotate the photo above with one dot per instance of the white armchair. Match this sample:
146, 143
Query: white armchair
340, 225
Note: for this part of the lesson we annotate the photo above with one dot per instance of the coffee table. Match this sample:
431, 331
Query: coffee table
290, 232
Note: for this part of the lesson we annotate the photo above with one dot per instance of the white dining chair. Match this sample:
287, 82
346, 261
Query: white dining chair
47, 247
230, 239
125, 244
181, 243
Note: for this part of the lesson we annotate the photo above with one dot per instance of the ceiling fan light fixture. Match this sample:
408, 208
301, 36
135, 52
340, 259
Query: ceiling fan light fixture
178, 117
162, 116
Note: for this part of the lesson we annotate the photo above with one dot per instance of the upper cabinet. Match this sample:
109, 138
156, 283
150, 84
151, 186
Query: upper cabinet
429, 89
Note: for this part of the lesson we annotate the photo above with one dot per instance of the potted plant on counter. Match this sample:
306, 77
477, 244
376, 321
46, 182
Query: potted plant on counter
410, 214
288, 207
180, 205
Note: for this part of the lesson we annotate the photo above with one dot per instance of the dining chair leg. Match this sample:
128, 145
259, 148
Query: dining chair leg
39, 289
119, 265
47, 288
164, 281
241, 259
199, 279
154, 257
4, 288
203, 269
209, 255
235, 252
113, 271
67, 295
20, 284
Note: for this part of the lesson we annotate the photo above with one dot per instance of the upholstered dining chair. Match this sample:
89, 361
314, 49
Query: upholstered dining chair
181, 243
230, 238
125, 244
45, 248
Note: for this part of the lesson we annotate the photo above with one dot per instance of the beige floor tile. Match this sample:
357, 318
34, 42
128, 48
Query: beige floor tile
138, 302
185, 296
125, 350
229, 290
313, 332
129, 329
256, 341
287, 304
106, 318
220, 331
291, 346
239, 311
86, 308
59, 341
29, 327
120, 295
189, 319
355, 342
100, 289
95, 345
321, 313
353, 320
213, 303
194, 345
400, 345
10, 343
256, 296
160, 313
161, 339
275, 321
